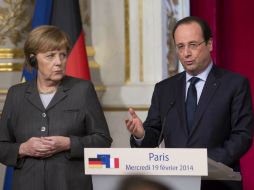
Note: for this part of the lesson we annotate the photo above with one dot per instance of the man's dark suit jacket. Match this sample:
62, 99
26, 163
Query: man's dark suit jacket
222, 123
73, 112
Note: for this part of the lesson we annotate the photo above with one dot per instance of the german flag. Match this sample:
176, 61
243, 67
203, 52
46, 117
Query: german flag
65, 14
95, 163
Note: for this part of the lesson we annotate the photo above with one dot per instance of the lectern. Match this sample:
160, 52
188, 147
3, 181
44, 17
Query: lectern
179, 169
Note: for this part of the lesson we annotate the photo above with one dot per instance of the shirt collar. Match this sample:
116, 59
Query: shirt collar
203, 75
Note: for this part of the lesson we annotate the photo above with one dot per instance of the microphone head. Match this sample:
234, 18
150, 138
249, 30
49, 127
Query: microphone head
171, 103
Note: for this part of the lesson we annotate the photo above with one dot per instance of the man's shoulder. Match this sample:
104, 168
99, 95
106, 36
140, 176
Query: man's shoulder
225, 74
172, 80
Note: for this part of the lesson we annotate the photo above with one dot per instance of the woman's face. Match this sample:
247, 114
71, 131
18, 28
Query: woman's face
51, 65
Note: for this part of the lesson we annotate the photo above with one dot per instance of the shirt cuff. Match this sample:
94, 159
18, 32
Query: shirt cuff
139, 141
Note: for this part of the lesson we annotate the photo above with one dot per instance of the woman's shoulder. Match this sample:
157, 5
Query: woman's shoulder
20, 86
74, 83
74, 80
17, 91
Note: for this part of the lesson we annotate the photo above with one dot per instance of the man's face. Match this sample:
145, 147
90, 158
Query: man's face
192, 50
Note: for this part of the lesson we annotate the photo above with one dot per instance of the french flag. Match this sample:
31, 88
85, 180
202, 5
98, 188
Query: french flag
108, 162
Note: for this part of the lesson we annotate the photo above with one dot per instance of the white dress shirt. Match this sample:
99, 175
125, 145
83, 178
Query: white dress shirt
200, 84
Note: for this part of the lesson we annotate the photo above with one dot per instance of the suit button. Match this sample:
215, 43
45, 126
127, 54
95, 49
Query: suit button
43, 128
43, 115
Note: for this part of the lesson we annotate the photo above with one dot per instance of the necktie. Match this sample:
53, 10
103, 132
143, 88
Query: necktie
191, 102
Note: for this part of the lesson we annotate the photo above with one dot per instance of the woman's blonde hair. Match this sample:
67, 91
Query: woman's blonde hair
45, 38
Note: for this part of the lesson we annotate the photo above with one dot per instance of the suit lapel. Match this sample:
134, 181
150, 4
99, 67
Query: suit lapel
211, 85
32, 95
61, 93
180, 100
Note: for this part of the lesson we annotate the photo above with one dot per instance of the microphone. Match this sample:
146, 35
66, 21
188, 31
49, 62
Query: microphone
171, 104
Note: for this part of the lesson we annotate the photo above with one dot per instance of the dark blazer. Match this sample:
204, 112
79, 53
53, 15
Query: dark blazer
223, 121
74, 112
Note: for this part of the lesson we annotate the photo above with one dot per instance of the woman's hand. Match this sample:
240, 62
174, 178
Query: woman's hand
56, 143
43, 147
34, 147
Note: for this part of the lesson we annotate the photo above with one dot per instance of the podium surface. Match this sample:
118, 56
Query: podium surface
219, 171
177, 168
146, 161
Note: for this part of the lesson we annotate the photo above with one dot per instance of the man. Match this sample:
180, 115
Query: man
213, 110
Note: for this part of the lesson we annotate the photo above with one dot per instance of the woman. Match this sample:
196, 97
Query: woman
46, 123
